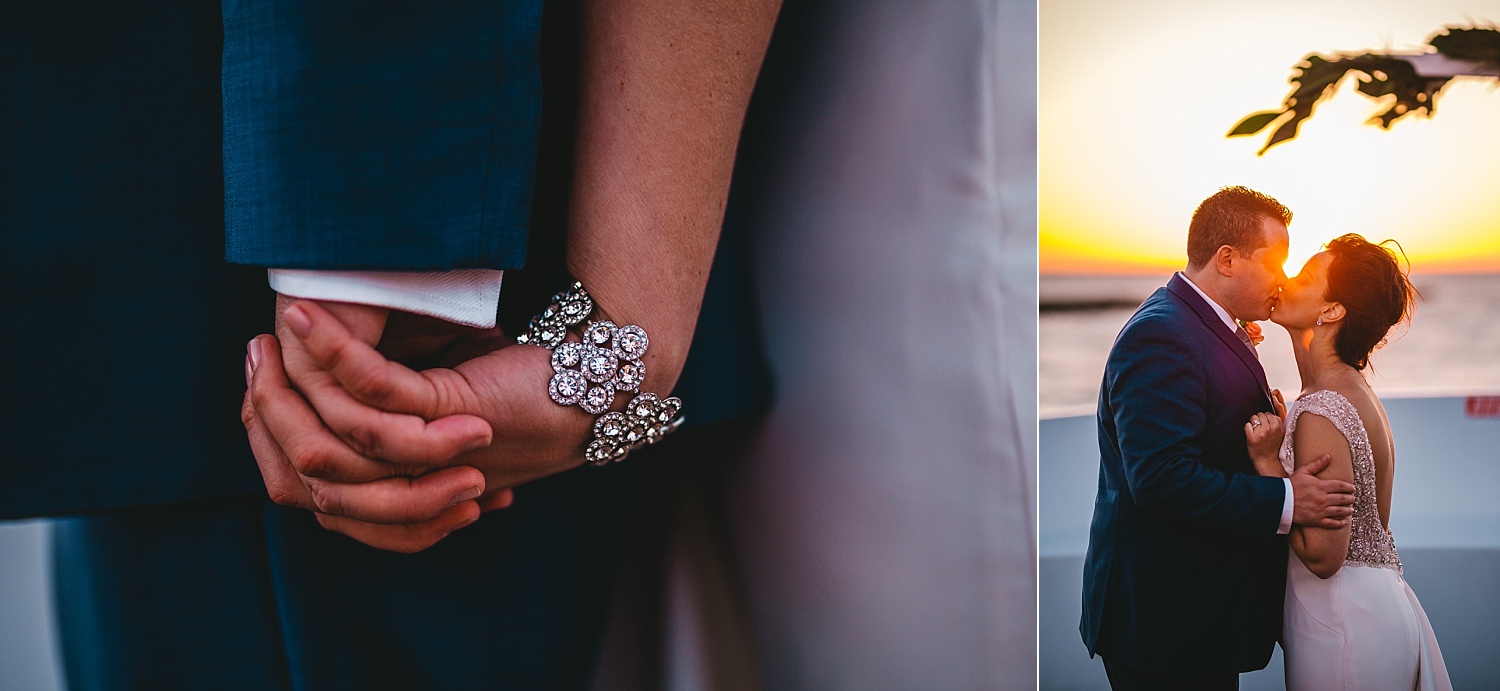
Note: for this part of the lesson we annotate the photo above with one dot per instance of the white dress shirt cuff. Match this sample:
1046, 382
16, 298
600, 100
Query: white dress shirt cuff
464, 296
1286, 509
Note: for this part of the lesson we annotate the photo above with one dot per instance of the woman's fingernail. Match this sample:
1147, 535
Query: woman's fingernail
478, 443
461, 497
254, 349
298, 321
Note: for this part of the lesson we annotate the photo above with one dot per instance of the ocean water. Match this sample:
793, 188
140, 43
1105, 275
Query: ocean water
1451, 347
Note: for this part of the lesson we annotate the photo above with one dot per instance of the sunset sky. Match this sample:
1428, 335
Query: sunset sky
1135, 100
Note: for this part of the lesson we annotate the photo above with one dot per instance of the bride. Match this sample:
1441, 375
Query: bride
1350, 620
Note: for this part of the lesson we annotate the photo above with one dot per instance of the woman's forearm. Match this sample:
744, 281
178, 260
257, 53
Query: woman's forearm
665, 85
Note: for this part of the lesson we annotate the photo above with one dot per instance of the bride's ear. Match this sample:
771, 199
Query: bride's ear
1333, 312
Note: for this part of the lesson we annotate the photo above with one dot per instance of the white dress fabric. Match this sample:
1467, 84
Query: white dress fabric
886, 524
1362, 628
883, 526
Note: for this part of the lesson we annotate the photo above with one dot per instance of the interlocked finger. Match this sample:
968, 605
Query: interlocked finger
408, 538
311, 449
396, 500
283, 484
285, 487
298, 456
379, 407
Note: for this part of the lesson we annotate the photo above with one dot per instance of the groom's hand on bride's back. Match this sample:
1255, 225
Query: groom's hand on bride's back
1320, 503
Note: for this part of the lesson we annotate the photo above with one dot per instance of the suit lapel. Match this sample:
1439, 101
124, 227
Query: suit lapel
1179, 287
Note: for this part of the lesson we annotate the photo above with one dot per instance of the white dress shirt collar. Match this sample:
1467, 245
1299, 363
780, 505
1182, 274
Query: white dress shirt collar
1219, 310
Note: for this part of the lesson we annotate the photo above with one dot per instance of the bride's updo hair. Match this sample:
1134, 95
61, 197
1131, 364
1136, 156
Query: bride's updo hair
1376, 294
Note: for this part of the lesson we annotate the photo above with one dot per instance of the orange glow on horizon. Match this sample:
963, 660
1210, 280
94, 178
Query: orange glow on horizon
1135, 100
1061, 253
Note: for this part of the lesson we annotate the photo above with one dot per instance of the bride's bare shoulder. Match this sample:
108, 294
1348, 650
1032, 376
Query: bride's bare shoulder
1316, 435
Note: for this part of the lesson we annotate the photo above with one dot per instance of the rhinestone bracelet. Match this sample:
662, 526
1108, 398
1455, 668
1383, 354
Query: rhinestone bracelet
589, 373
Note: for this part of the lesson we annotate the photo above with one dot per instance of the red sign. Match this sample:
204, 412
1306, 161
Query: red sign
1482, 406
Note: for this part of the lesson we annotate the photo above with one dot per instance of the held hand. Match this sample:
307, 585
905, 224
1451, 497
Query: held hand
354, 487
408, 445
505, 389
1263, 435
1320, 503
291, 445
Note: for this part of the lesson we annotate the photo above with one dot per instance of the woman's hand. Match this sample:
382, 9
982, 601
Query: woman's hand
1263, 437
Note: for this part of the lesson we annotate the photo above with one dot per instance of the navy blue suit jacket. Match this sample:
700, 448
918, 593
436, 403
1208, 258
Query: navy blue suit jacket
1184, 571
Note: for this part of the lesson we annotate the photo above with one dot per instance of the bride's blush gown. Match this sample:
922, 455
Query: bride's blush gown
1361, 629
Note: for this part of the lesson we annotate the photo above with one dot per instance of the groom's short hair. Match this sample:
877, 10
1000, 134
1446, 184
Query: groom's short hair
1232, 216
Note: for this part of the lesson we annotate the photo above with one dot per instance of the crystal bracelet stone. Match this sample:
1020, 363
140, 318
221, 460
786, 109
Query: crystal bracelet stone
645, 421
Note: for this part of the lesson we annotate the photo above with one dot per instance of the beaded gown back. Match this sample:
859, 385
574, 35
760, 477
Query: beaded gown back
1370, 543
1362, 628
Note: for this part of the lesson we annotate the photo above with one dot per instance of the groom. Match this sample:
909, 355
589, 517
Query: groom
1186, 566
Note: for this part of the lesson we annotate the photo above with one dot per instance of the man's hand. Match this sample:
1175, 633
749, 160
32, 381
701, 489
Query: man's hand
408, 445
1320, 503
353, 487
395, 513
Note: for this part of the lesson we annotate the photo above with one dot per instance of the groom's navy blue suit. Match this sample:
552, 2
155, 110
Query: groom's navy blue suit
141, 143
1185, 572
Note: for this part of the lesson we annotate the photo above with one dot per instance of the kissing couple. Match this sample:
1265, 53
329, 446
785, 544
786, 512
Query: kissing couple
1227, 520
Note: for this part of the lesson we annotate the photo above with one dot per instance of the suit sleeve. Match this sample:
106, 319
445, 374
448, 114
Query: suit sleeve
1158, 396
381, 135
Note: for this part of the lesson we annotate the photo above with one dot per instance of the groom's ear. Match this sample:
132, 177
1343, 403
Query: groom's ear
1223, 260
